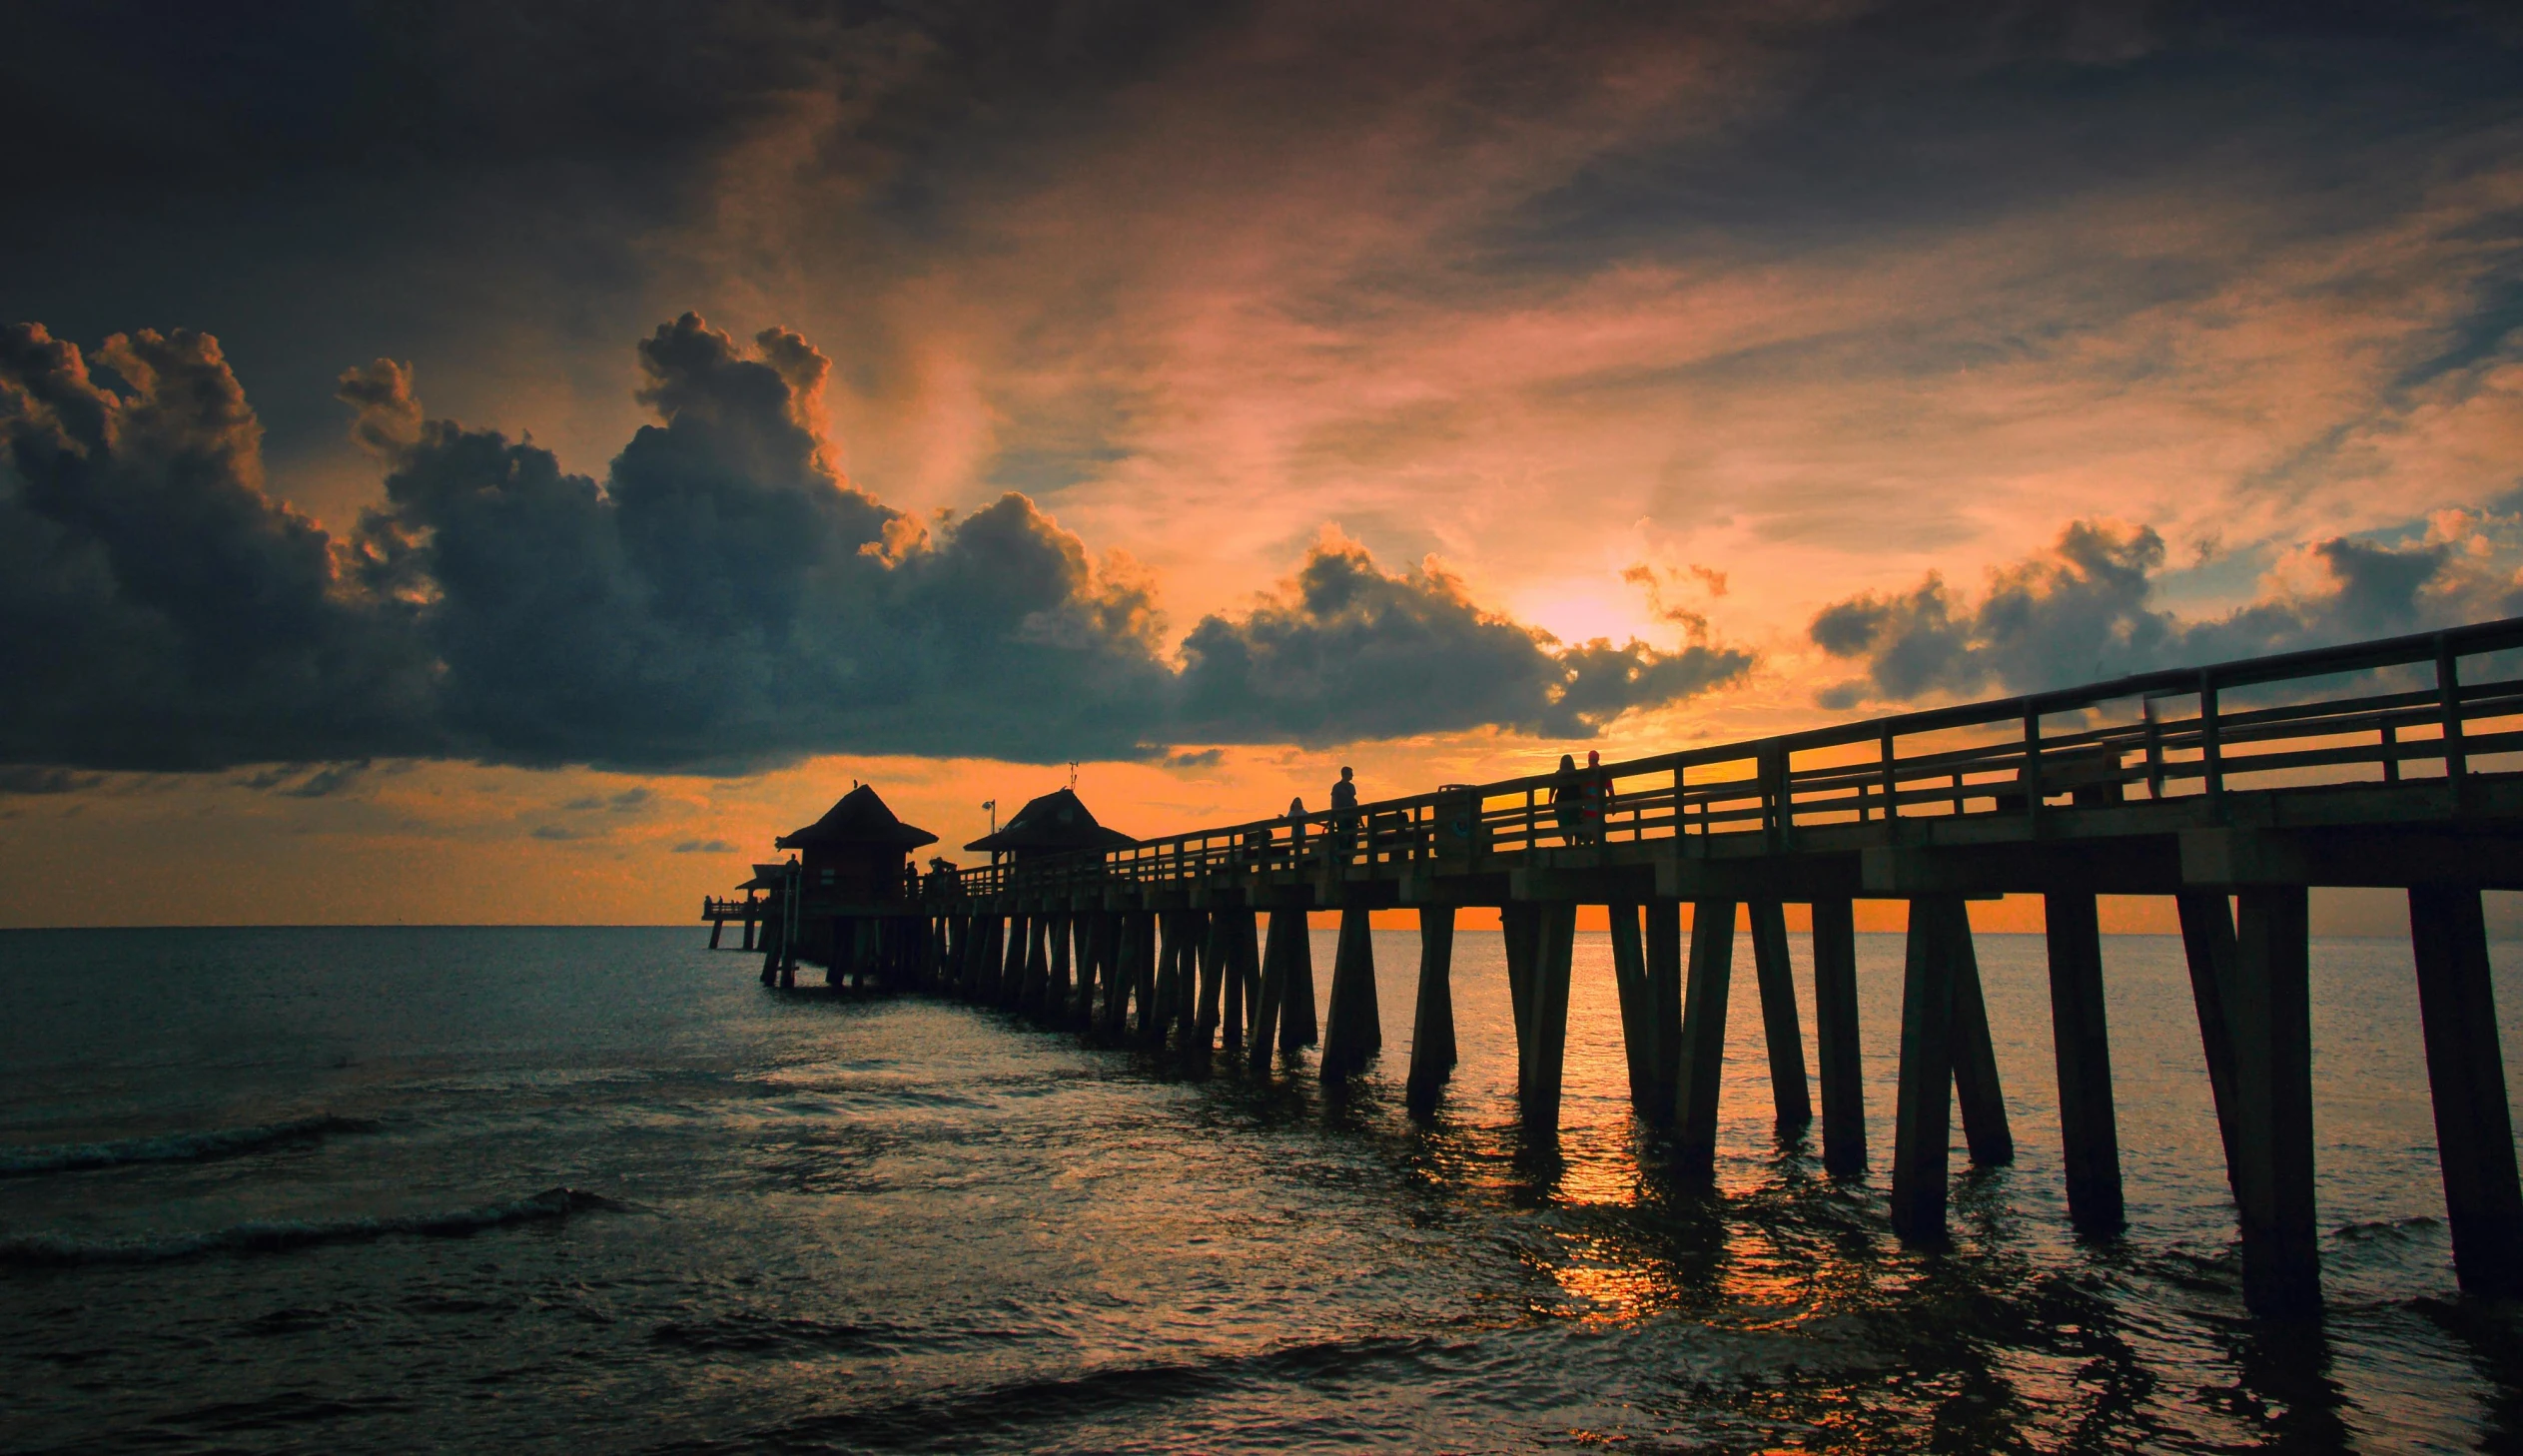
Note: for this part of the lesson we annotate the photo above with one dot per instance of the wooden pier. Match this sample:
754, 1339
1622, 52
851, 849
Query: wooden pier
2232, 789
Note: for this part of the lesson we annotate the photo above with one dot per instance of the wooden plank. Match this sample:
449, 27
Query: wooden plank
1775, 975
2269, 1016
1976, 1087
1922, 1126
1836, 1037
1702, 1063
2474, 1128
2080, 1038
1538, 1095
1433, 1018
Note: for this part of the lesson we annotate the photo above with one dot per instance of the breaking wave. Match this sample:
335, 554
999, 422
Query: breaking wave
171, 1147
281, 1236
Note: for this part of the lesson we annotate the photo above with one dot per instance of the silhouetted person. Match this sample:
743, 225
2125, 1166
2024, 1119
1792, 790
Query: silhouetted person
1594, 803
1567, 800
1343, 812
1296, 828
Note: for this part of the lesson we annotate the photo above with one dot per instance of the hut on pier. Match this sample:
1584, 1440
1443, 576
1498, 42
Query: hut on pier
854, 874
1056, 824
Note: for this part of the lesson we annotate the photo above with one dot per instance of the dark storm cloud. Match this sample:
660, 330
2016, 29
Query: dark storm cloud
2083, 612
1350, 651
156, 610
722, 600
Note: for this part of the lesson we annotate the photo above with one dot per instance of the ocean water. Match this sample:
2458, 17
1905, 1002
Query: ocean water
599, 1190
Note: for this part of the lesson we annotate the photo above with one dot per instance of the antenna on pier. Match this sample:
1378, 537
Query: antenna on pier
1073, 776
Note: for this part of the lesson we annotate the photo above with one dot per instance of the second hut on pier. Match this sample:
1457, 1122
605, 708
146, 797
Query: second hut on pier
1055, 824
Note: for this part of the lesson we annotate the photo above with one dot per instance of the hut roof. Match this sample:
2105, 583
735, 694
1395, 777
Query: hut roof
767, 877
1055, 821
859, 818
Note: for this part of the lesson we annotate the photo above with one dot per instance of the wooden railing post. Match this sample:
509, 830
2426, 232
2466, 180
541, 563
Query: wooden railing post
2031, 771
2448, 696
1890, 778
2211, 756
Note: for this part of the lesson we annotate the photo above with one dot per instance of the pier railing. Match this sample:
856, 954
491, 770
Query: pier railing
2381, 711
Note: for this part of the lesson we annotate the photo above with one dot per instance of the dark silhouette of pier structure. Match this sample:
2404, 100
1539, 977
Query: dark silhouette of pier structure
2234, 789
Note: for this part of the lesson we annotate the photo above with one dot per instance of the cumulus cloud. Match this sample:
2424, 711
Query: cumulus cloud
722, 600
1350, 651
2084, 610
156, 609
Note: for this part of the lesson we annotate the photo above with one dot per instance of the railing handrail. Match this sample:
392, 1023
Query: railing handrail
1772, 793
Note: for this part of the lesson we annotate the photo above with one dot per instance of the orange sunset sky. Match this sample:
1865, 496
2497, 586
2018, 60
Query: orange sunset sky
506, 467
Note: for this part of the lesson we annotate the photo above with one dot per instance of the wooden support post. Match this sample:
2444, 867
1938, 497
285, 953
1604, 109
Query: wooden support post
1010, 967
717, 922
1775, 975
1432, 1017
1546, 1048
1129, 966
1036, 989
1664, 1003
1170, 988
1143, 936
1269, 1014
770, 953
1975, 1088
1638, 1027
1297, 1023
1243, 969
749, 925
1703, 1038
1110, 966
1519, 925
1081, 930
2270, 1018
1212, 961
1835, 1037
1231, 983
1922, 1125
1354, 1032
2475, 1130
2208, 942
1297, 998
2081, 1034
1056, 995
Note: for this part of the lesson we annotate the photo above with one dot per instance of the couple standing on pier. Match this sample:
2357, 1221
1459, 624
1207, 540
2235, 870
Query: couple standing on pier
1581, 800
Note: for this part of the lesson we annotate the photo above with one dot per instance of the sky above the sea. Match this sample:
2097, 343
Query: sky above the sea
507, 462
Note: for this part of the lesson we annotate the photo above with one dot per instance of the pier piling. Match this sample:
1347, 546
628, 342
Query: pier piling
1702, 1062
1835, 1037
2088, 1129
2474, 1131
1775, 975
1432, 1013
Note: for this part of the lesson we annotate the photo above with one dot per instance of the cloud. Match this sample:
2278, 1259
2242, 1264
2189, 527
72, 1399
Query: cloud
156, 609
2084, 610
724, 599
30, 780
706, 847
559, 835
1347, 651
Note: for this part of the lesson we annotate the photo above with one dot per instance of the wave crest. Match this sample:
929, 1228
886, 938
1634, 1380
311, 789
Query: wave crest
172, 1146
